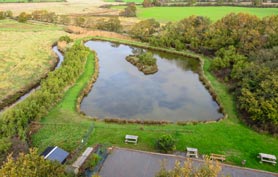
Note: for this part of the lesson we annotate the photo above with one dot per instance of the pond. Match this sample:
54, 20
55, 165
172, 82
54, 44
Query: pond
174, 93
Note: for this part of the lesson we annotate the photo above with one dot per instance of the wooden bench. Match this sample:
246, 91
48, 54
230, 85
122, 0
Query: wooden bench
81, 159
267, 158
191, 152
131, 139
217, 157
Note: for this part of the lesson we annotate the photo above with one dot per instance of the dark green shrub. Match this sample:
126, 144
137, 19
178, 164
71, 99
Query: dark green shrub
166, 143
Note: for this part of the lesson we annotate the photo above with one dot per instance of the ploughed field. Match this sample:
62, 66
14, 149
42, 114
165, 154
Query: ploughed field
25, 55
174, 93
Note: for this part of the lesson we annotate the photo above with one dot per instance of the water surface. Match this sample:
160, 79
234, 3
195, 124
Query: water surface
174, 93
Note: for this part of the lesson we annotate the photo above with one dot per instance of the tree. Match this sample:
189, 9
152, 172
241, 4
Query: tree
191, 2
257, 2
226, 58
207, 169
243, 31
31, 165
270, 27
144, 29
129, 11
166, 143
147, 3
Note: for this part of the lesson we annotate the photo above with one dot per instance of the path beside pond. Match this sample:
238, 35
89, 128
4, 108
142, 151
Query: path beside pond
132, 163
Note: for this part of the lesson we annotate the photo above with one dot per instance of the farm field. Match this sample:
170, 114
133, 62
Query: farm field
25, 54
5, 1
62, 7
214, 13
65, 127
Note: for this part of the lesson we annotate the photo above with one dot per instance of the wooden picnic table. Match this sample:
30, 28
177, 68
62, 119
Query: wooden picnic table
267, 158
131, 139
192, 152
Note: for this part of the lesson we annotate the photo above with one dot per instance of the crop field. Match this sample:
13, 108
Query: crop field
5, 1
61, 7
63, 126
164, 14
25, 54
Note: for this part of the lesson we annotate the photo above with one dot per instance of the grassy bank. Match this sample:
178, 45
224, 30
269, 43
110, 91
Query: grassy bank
20, 69
214, 13
64, 127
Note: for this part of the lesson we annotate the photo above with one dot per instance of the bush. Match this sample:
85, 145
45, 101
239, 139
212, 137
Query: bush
147, 59
145, 29
226, 59
206, 169
23, 17
166, 143
31, 165
112, 24
6, 14
5, 145
66, 39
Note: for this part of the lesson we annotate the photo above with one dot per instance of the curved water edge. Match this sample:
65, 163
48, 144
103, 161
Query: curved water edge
174, 94
60, 59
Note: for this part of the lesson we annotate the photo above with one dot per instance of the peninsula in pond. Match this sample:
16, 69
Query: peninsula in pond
145, 62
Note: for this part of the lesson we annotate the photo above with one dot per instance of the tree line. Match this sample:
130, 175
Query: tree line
245, 50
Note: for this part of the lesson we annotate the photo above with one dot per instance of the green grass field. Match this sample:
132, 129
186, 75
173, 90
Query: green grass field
164, 14
25, 54
65, 128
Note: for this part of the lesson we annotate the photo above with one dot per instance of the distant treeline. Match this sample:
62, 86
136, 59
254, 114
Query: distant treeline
251, 3
245, 49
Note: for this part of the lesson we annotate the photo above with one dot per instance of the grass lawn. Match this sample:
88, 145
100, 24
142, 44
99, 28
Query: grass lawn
25, 54
65, 128
164, 14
